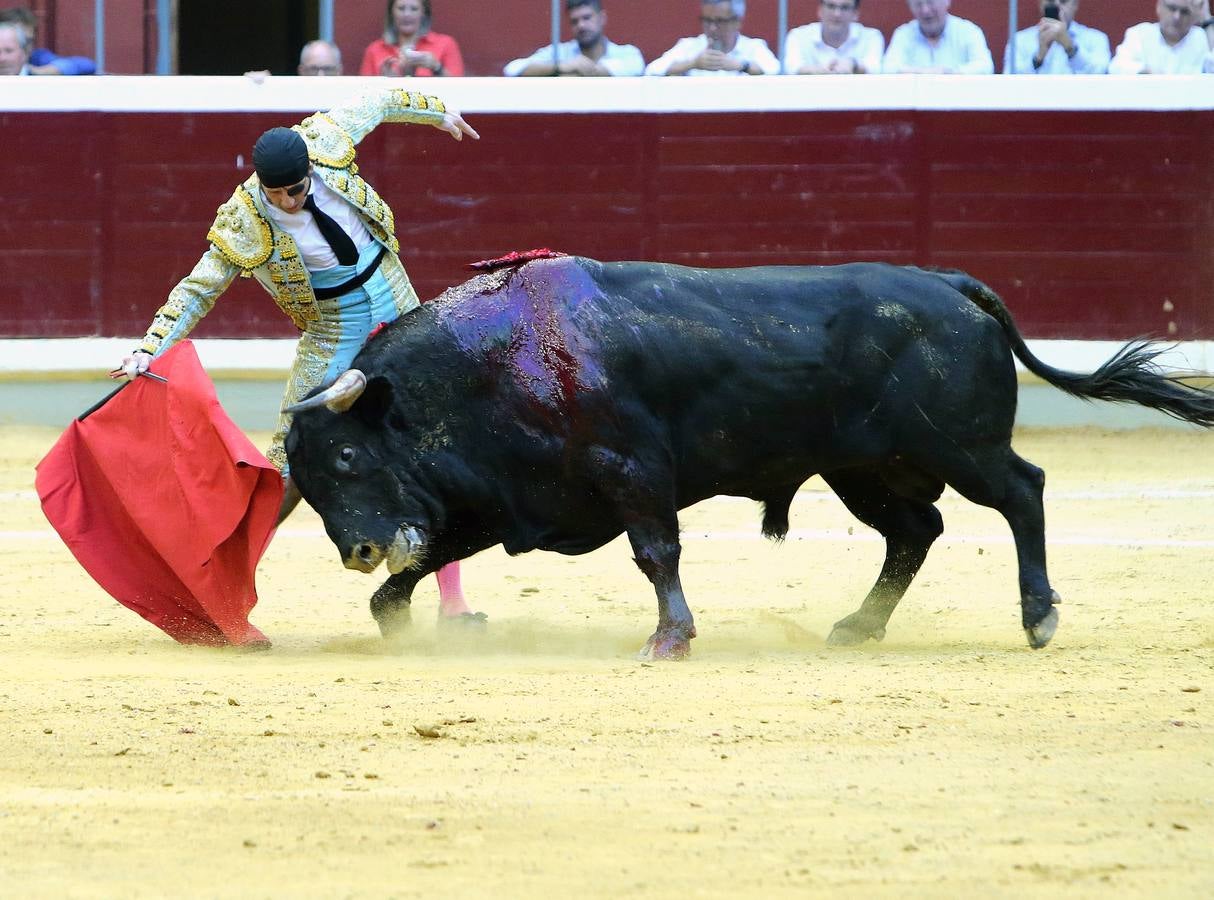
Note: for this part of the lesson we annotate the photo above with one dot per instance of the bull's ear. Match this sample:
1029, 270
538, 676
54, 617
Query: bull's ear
373, 406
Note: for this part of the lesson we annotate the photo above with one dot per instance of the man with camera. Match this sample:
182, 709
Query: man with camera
1058, 45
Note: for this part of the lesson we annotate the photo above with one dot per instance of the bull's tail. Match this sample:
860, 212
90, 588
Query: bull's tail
1131, 375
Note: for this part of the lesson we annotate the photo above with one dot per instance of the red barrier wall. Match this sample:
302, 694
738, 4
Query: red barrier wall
492, 33
1090, 224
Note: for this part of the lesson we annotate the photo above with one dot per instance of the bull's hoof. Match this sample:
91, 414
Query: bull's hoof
1039, 635
668, 646
464, 622
393, 623
850, 632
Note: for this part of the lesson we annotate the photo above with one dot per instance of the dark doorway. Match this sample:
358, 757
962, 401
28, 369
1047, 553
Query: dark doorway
231, 37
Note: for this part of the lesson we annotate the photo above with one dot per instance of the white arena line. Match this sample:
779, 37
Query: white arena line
794, 535
87, 357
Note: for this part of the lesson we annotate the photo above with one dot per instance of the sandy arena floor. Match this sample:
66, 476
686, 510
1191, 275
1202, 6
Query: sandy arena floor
949, 761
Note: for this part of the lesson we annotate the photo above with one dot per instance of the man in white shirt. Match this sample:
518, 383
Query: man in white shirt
938, 43
721, 49
837, 44
1058, 45
14, 50
588, 54
1177, 44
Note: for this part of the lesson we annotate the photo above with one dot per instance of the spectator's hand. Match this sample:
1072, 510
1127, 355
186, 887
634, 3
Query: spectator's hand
714, 61
420, 59
453, 123
578, 65
1050, 31
258, 77
132, 365
844, 65
48, 69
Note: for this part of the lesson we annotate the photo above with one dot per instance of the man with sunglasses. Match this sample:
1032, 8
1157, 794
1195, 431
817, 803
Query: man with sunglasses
1181, 42
321, 241
721, 49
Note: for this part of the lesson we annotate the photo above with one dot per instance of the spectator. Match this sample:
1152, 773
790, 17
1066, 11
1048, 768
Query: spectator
319, 58
1058, 45
721, 49
409, 47
837, 44
1178, 44
1205, 20
41, 60
589, 53
936, 42
315, 58
14, 50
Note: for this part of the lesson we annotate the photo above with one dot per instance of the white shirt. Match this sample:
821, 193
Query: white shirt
746, 49
804, 47
1091, 53
961, 47
618, 59
315, 251
1144, 48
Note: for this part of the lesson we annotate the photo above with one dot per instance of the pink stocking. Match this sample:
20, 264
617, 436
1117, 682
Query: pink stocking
451, 601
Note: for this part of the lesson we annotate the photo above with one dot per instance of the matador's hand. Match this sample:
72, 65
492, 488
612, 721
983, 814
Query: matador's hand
133, 365
453, 123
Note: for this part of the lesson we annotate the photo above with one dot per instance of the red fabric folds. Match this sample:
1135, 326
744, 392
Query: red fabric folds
166, 503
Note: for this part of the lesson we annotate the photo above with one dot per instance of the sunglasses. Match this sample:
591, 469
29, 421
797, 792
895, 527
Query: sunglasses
296, 189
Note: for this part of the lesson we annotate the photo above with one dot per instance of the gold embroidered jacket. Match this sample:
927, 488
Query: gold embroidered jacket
245, 241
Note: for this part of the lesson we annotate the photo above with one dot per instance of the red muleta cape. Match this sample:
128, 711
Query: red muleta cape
166, 503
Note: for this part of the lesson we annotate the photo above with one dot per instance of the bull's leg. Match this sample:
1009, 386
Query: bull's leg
1000, 479
1022, 507
656, 548
641, 493
390, 604
909, 528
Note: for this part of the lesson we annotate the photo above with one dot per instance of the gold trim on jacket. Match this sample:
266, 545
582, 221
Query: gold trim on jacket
245, 242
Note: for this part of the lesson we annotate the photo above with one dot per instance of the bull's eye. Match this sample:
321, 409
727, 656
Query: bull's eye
345, 456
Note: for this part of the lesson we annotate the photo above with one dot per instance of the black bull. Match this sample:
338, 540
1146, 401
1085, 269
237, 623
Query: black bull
559, 404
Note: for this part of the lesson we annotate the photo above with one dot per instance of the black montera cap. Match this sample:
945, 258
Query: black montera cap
280, 157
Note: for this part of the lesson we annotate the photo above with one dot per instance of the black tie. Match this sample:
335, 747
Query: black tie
339, 242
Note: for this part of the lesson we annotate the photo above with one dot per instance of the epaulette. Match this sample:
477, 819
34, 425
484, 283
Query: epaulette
328, 143
239, 231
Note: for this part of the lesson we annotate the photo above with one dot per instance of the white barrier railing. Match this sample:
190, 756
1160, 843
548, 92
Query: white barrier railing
142, 93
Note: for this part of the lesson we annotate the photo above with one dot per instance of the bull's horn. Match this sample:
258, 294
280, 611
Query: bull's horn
339, 396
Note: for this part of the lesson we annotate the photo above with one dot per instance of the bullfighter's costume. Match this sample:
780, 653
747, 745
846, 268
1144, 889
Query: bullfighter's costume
336, 307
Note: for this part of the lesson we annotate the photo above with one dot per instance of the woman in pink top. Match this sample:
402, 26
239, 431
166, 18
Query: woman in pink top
409, 47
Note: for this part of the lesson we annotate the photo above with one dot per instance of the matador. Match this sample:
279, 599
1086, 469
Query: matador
321, 241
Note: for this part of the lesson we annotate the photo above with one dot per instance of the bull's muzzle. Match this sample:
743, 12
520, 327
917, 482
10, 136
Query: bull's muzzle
405, 552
